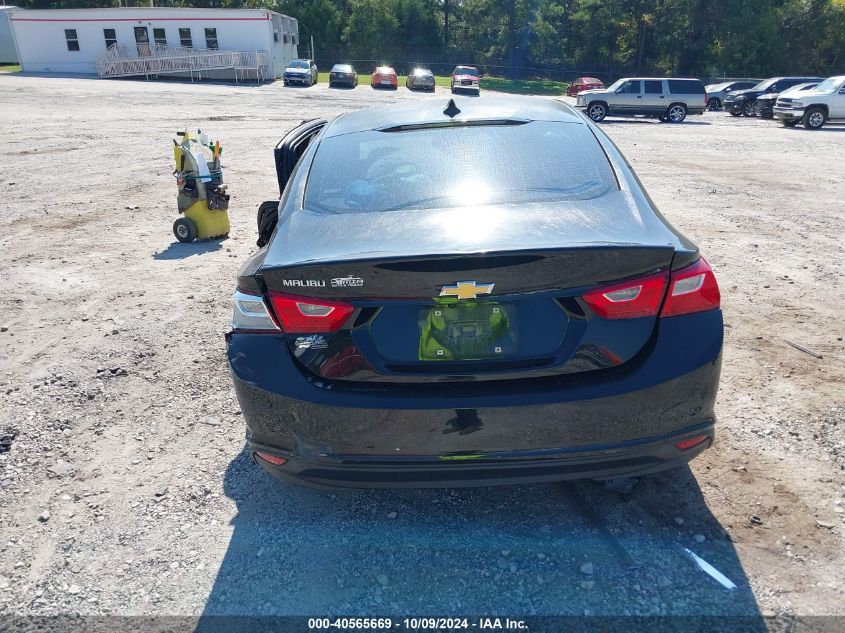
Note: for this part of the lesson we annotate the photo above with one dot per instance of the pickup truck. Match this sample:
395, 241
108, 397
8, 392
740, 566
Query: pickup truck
825, 102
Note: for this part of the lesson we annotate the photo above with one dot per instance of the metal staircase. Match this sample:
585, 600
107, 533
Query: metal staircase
150, 60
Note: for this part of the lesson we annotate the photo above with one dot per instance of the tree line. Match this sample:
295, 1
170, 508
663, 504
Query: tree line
564, 38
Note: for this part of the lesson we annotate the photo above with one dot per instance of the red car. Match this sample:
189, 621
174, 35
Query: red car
466, 78
584, 83
384, 77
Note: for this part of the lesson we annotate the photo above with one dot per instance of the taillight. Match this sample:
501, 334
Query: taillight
630, 299
249, 313
691, 289
307, 315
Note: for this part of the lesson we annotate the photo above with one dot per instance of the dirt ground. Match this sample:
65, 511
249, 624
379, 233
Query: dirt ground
126, 489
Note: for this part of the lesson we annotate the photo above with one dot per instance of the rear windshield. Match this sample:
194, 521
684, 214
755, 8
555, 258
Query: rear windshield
685, 86
444, 167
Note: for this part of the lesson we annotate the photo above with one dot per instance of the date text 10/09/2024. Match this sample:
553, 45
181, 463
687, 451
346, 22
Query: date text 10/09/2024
417, 624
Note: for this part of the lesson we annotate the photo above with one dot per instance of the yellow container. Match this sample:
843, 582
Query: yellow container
209, 223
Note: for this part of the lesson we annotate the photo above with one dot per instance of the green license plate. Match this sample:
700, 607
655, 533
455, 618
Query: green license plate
468, 330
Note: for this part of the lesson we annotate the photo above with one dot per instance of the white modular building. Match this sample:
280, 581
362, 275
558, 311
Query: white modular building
8, 54
71, 41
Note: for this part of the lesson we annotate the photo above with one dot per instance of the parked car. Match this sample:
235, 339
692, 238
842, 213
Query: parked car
384, 77
343, 74
716, 93
742, 102
421, 78
584, 83
825, 102
765, 104
300, 71
466, 78
523, 316
665, 99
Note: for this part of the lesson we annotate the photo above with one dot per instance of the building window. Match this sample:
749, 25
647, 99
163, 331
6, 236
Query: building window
185, 38
275, 36
293, 38
72, 40
211, 38
110, 36
159, 37
285, 38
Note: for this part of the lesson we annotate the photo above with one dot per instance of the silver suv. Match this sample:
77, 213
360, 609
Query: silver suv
665, 99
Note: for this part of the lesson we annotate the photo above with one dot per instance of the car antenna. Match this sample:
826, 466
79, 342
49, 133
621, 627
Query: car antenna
451, 110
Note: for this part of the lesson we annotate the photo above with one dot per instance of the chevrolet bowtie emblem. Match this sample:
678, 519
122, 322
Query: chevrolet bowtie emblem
466, 290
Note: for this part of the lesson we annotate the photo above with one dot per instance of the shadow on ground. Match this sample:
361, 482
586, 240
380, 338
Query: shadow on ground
180, 250
490, 551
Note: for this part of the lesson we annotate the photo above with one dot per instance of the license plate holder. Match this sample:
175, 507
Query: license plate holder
468, 330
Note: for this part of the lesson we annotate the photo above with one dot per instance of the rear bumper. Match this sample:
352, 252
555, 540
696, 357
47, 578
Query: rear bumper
609, 423
631, 459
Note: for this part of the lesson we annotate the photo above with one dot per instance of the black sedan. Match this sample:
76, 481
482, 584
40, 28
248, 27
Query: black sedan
469, 293
343, 74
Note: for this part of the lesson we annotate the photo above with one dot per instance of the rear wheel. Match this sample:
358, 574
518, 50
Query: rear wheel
185, 230
597, 111
814, 119
748, 109
789, 122
676, 113
715, 103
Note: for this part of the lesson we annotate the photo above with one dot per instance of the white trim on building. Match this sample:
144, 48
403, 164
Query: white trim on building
69, 41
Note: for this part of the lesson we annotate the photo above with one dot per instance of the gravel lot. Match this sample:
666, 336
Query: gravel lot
126, 489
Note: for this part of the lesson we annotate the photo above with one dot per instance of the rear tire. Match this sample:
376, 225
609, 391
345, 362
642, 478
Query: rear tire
714, 104
748, 109
676, 113
597, 112
185, 230
814, 119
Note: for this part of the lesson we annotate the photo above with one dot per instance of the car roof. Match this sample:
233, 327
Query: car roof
588, 79
431, 111
660, 78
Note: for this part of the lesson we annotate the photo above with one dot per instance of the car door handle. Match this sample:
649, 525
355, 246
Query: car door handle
662, 96
639, 96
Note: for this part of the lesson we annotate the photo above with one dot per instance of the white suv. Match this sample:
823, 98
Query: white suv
825, 102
